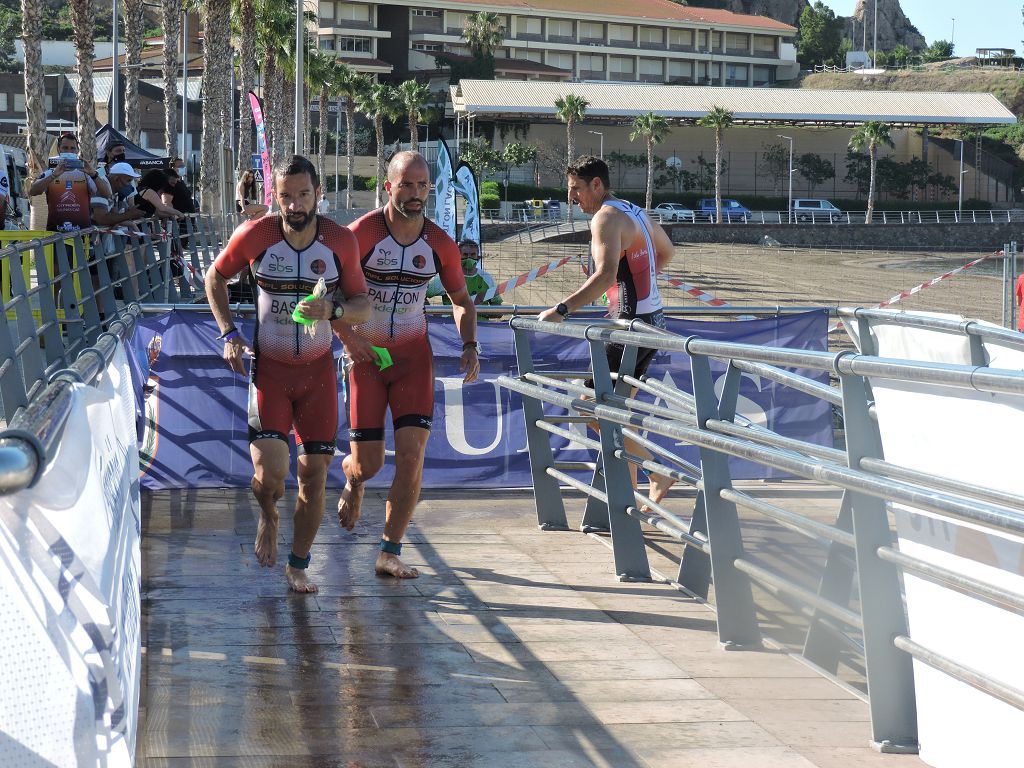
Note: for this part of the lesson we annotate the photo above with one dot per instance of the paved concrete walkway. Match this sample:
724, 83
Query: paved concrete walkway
514, 649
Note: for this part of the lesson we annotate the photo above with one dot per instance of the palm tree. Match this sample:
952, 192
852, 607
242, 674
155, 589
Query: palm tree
653, 129
170, 14
570, 109
133, 31
35, 103
719, 118
484, 32
414, 97
245, 13
274, 35
349, 85
870, 135
82, 19
320, 72
217, 56
380, 103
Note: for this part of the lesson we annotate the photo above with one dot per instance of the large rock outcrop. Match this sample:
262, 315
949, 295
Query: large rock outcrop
893, 25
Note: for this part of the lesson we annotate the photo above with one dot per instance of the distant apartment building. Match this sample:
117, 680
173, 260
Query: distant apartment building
653, 41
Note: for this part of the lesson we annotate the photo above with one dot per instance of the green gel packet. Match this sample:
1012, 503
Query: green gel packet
299, 318
383, 358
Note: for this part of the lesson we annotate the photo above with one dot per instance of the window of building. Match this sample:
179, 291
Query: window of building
348, 11
526, 54
736, 74
650, 36
431, 13
763, 75
622, 65
559, 28
763, 44
326, 9
560, 60
620, 33
459, 50
682, 69
681, 37
529, 26
3, 102
590, 30
736, 42
716, 41
326, 43
19, 102
427, 47
355, 44
652, 67
456, 20
591, 63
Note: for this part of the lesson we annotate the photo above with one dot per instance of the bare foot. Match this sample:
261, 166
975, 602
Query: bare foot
658, 489
299, 581
391, 565
266, 541
350, 505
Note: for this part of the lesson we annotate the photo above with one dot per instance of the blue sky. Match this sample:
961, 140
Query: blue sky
980, 24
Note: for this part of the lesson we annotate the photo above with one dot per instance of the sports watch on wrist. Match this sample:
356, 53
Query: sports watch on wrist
471, 345
338, 312
561, 309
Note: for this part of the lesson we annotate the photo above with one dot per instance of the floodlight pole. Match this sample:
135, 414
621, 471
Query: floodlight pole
300, 68
789, 209
115, 73
960, 186
601, 136
874, 43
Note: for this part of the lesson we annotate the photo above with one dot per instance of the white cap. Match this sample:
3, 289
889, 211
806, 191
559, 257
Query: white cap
123, 169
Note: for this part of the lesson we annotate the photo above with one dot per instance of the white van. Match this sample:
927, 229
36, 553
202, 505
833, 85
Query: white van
816, 210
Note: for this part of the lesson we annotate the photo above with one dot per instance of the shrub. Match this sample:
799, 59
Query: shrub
488, 202
370, 183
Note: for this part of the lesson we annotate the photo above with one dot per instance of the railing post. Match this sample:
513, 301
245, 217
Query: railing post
889, 671
52, 332
595, 513
546, 493
628, 548
734, 600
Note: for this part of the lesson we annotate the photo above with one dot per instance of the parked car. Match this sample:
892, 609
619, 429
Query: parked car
673, 212
732, 210
816, 210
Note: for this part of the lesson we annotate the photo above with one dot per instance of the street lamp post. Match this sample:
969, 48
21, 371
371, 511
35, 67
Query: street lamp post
600, 135
789, 209
300, 71
114, 74
874, 44
960, 186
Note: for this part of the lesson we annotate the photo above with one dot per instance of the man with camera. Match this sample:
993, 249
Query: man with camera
69, 185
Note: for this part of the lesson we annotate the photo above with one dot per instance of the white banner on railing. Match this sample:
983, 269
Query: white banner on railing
972, 437
69, 591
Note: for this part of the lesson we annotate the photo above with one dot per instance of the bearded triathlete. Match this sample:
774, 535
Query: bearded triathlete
628, 251
293, 384
400, 251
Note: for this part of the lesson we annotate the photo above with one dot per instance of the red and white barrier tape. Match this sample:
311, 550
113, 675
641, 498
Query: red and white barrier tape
523, 279
926, 284
697, 293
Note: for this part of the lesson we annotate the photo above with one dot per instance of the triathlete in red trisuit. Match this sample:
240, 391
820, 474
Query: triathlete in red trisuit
628, 251
400, 251
293, 382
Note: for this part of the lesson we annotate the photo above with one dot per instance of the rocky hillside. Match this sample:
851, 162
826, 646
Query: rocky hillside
893, 25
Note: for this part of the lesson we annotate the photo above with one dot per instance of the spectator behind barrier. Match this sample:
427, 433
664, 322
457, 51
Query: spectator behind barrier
69, 186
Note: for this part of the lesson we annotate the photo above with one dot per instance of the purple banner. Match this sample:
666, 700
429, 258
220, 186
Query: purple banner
192, 419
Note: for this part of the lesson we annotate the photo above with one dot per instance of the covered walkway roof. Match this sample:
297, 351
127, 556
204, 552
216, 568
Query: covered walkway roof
516, 100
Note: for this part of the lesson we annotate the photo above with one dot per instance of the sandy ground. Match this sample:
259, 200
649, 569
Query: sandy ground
743, 275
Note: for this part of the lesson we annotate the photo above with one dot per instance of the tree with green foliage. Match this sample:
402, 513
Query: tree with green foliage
774, 164
940, 50
869, 136
719, 119
570, 109
379, 103
652, 129
349, 85
10, 29
480, 155
414, 97
900, 54
815, 169
821, 34
515, 154
483, 33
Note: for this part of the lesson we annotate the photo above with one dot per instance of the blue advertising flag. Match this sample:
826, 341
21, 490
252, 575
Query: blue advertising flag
444, 190
465, 185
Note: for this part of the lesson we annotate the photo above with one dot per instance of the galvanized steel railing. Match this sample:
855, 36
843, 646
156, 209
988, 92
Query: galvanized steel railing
61, 291
860, 544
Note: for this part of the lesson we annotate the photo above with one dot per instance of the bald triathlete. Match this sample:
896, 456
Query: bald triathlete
400, 251
628, 250
293, 384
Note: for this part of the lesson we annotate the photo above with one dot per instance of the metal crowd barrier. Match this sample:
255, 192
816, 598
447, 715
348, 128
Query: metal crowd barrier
870, 622
61, 291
